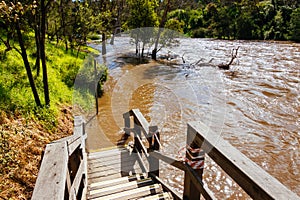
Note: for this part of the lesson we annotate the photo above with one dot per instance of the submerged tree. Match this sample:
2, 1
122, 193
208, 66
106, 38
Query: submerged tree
142, 14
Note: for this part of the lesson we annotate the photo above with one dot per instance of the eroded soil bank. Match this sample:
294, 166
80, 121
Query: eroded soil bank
22, 142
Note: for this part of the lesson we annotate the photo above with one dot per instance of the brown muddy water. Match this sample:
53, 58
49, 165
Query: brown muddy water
255, 105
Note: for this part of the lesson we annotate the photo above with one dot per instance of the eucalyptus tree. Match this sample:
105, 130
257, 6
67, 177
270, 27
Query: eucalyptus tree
142, 14
14, 17
295, 25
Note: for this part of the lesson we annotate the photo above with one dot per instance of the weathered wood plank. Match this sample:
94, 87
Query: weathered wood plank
122, 166
107, 172
142, 121
103, 184
205, 191
106, 153
253, 179
141, 163
119, 188
119, 158
175, 195
142, 146
135, 193
104, 178
165, 196
68, 138
117, 162
73, 145
126, 117
169, 160
77, 180
51, 179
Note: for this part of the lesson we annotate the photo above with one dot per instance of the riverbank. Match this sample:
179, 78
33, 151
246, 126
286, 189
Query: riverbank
25, 129
23, 141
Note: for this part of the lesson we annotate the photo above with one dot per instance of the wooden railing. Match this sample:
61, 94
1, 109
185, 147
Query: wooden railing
63, 170
200, 140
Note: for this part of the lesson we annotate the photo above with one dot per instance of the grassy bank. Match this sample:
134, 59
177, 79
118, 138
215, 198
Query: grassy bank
24, 128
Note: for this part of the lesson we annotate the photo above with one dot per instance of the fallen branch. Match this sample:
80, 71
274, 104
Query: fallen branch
233, 56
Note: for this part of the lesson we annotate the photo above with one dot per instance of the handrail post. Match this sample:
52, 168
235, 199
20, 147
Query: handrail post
137, 132
126, 117
154, 146
195, 159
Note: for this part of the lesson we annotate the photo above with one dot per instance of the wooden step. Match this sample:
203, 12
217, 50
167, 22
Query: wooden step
104, 178
107, 154
161, 196
105, 166
135, 193
95, 162
103, 184
119, 188
107, 172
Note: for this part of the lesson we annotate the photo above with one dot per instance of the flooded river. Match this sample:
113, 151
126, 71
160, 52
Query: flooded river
255, 105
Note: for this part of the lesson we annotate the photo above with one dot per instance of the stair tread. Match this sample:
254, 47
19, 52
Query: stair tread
134, 193
126, 179
119, 188
107, 153
161, 196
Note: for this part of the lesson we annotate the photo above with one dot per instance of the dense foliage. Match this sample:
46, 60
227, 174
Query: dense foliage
270, 19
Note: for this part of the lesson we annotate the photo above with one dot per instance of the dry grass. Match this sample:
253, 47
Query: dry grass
22, 142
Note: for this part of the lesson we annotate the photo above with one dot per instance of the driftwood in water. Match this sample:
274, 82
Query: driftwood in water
233, 56
199, 63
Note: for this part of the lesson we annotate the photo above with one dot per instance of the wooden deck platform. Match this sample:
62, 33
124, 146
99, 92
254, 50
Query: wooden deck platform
117, 174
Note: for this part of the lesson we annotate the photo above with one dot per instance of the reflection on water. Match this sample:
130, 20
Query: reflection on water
255, 106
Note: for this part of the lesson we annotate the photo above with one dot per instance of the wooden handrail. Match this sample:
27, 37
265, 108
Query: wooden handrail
185, 167
251, 178
63, 170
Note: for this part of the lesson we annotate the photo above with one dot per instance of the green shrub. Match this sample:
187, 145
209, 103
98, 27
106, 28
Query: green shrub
62, 67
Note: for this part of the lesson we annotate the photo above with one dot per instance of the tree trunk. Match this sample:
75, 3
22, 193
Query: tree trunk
37, 42
162, 24
143, 48
154, 51
27, 65
112, 41
103, 44
43, 53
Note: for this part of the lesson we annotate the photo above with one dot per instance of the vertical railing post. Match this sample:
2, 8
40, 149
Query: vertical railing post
137, 132
195, 159
127, 129
154, 145
126, 117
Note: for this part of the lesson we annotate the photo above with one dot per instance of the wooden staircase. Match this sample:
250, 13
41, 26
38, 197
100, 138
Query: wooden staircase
116, 174
68, 172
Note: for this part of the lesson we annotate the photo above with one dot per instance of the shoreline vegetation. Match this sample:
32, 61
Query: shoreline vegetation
25, 128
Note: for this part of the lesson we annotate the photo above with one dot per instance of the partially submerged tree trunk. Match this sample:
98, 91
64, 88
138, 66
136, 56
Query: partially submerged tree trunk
162, 24
27, 65
233, 56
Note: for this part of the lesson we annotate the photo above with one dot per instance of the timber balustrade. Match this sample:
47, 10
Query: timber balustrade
201, 140
63, 170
